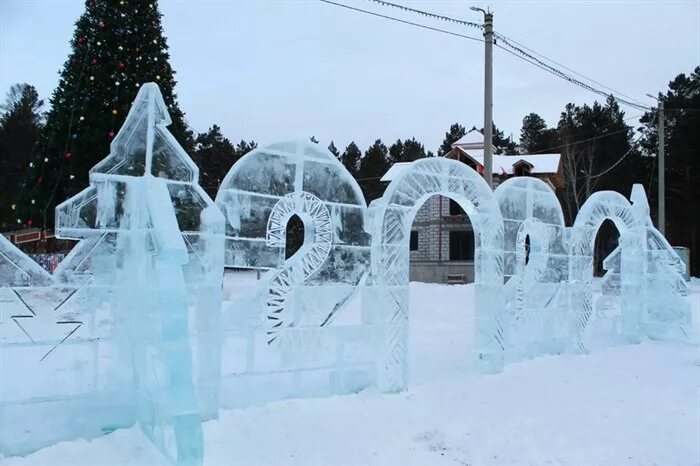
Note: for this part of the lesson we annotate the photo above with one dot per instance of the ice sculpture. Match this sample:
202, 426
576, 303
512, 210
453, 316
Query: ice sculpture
622, 326
536, 271
392, 216
667, 314
280, 340
642, 292
149, 261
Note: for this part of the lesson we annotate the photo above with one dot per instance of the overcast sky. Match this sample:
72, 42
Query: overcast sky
272, 70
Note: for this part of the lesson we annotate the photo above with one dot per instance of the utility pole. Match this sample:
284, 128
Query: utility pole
661, 222
488, 95
662, 171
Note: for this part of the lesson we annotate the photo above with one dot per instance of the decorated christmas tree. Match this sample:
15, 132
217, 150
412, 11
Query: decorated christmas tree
117, 46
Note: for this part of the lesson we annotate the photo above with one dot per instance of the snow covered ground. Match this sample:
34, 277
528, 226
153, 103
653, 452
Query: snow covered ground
633, 405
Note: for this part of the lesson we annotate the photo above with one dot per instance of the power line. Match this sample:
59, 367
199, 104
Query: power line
592, 177
517, 50
521, 54
429, 14
505, 38
410, 23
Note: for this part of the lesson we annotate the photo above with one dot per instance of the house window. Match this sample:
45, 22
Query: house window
455, 208
414, 241
462, 245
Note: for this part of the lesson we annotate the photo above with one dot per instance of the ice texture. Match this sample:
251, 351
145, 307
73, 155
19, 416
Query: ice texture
387, 293
535, 262
281, 340
109, 333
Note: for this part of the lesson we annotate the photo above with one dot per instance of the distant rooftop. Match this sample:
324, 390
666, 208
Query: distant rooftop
395, 171
473, 138
503, 164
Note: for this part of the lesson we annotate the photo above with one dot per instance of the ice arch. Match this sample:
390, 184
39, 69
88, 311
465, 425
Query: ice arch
535, 294
625, 267
392, 216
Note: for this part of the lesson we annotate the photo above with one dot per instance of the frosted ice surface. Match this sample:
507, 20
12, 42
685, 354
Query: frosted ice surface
285, 324
105, 342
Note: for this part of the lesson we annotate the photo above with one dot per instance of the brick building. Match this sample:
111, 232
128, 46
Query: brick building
442, 238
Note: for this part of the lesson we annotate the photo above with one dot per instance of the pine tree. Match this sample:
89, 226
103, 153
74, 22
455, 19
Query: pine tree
503, 144
373, 166
116, 47
395, 152
456, 131
587, 160
351, 158
682, 120
334, 150
412, 150
214, 154
20, 129
406, 151
243, 147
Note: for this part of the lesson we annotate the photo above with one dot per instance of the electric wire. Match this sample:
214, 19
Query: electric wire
515, 49
410, 23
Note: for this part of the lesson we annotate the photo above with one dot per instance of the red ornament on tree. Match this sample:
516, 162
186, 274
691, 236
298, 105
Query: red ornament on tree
122, 66
81, 40
111, 134
68, 155
102, 24
94, 61
29, 222
91, 4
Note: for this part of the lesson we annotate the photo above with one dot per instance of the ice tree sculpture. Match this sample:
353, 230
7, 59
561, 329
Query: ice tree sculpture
536, 271
392, 216
278, 340
667, 314
145, 227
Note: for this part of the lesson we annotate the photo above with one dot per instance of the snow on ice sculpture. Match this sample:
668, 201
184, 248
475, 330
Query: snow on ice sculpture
144, 228
604, 321
392, 216
536, 271
280, 340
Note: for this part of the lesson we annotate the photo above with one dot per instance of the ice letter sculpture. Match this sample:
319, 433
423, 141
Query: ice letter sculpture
643, 291
392, 216
280, 340
145, 227
536, 308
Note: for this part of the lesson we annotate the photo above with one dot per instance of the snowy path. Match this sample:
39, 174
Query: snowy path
635, 405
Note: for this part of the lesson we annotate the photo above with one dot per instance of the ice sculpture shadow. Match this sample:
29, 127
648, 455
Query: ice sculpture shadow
387, 292
279, 340
149, 260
